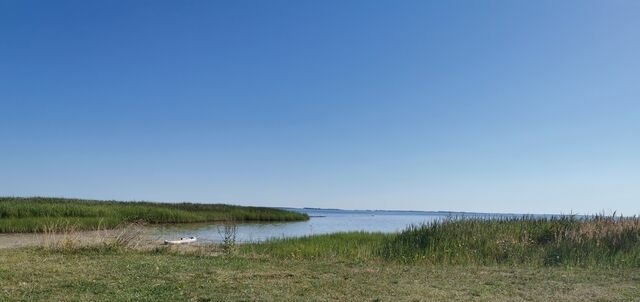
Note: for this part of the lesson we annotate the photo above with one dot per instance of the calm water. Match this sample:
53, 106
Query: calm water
321, 222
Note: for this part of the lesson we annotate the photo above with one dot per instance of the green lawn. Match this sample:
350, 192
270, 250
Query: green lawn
126, 275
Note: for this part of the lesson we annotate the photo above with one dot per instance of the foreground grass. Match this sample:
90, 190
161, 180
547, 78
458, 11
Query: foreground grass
165, 275
56, 214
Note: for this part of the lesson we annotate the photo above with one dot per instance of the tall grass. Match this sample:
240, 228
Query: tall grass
560, 241
39, 214
549, 242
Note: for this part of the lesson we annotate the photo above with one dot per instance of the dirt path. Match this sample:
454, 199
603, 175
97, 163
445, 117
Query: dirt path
19, 240
142, 237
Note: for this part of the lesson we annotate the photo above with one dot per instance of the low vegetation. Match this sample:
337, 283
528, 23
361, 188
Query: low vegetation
353, 246
559, 259
558, 241
566, 241
52, 214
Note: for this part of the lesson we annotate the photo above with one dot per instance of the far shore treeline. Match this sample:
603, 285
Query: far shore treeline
42, 214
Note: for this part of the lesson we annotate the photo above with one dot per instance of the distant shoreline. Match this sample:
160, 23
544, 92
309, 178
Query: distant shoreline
43, 214
451, 213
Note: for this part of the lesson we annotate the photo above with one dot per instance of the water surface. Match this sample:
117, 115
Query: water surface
322, 221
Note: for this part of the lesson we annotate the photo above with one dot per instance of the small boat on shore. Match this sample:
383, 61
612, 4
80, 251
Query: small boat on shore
181, 240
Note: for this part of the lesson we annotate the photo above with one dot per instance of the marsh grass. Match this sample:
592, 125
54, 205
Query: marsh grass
40, 214
597, 240
562, 241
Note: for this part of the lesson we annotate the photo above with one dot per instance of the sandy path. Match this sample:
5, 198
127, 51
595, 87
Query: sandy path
17, 240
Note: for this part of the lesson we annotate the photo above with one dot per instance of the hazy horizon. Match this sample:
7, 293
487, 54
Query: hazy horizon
494, 106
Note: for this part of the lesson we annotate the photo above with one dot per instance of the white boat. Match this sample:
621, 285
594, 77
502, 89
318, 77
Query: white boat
181, 240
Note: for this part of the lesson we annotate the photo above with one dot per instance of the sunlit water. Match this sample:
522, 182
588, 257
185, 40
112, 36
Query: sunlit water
321, 222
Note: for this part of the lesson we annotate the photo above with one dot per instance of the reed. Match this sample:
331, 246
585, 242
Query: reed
565, 241
40, 214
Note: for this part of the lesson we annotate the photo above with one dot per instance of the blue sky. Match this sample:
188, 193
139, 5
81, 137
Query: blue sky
499, 106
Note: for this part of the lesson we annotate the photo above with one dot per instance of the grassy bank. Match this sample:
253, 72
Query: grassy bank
601, 241
54, 214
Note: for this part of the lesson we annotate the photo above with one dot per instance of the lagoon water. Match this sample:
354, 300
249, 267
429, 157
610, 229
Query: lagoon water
322, 221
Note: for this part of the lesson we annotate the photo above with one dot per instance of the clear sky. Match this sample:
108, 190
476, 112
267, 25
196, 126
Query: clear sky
499, 106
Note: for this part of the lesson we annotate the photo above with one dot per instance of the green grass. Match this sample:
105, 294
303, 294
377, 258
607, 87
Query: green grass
40, 214
353, 246
542, 242
129, 275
